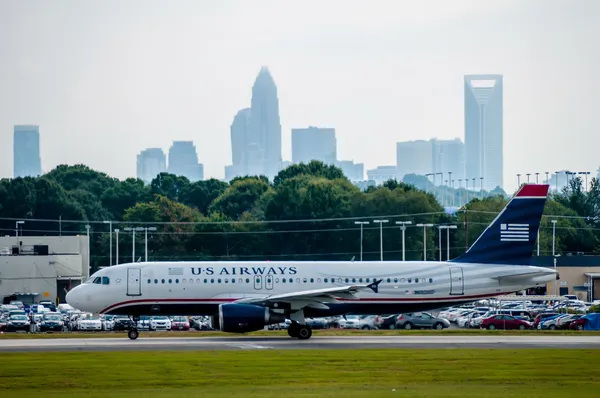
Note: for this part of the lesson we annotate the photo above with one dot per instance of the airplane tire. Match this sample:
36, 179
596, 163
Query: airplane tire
133, 334
304, 332
293, 329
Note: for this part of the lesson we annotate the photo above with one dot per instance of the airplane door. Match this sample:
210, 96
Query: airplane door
134, 282
269, 282
457, 283
257, 282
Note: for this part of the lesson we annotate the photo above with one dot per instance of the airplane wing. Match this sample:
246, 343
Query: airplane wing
312, 298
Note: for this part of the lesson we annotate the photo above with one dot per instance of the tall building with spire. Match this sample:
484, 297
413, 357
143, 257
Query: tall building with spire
256, 132
264, 133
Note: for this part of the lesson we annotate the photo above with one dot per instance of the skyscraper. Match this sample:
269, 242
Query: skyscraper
183, 161
413, 157
484, 129
449, 157
264, 133
314, 143
239, 144
26, 151
150, 163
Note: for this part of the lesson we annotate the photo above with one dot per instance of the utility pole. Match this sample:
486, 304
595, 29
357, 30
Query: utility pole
403, 225
361, 223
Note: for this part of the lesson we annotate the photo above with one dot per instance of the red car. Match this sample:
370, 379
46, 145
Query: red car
504, 322
180, 323
577, 324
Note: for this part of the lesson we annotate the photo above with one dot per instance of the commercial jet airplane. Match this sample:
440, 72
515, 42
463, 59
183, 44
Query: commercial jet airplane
246, 296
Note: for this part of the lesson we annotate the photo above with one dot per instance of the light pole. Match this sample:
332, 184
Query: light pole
447, 228
403, 225
441, 181
110, 240
146, 229
117, 245
361, 223
87, 227
547, 178
381, 236
553, 236
133, 231
528, 174
424, 239
518, 180
537, 176
440, 229
17, 232
480, 187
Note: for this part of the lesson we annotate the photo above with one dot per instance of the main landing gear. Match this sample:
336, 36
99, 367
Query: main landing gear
302, 332
134, 333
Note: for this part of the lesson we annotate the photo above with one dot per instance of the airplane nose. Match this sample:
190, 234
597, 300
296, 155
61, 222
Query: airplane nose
73, 297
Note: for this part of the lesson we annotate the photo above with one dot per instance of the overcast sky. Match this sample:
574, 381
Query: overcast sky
106, 79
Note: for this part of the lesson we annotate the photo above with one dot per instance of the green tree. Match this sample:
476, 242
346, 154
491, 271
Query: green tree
239, 197
169, 185
201, 194
314, 168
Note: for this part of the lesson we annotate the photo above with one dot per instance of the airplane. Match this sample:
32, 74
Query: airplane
246, 296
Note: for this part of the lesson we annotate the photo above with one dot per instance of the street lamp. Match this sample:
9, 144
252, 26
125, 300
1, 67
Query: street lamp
528, 174
553, 236
403, 225
133, 231
17, 232
518, 180
361, 223
381, 236
447, 228
537, 176
146, 229
424, 239
117, 245
480, 187
110, 240
87, 227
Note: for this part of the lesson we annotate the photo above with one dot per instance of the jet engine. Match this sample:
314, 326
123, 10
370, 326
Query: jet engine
243, 318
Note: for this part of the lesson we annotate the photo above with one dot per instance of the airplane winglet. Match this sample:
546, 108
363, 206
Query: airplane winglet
375, 286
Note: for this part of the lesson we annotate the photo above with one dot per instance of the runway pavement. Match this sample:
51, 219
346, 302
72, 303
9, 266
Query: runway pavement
284, 343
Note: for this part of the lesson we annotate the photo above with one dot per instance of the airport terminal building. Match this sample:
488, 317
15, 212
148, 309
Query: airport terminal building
33, 269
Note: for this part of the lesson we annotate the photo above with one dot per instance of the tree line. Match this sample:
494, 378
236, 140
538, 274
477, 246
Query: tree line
308, 212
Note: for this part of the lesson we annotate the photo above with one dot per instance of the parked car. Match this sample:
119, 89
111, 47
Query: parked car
180, 323
421, 320
52, 321
504, 322
160, 323
18, 322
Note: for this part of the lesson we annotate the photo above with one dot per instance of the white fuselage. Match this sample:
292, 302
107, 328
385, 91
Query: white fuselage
198, 288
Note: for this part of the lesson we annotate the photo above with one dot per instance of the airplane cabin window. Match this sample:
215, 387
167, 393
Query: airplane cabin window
105, 280
318, 280
416, 280
430, 280
198, 281
240, 280
162, 280
170, 280
232, 280
369, 279
325, 280
247, 280
312, 280
149, 280
276, 280
156, 281
389, 280
409, 280
402, 280
396, 280
304, 280
176, 280
205, 281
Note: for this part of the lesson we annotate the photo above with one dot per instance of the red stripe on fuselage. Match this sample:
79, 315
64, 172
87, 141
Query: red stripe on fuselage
342, 300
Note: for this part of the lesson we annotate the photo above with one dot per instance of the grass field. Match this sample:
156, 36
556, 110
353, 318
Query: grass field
329, 332
305, 373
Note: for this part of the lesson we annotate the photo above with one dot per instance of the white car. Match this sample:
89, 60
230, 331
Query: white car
160, 323
351, 322
89, 323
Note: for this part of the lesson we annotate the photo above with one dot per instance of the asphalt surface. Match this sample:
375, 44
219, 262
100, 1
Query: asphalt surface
285, 343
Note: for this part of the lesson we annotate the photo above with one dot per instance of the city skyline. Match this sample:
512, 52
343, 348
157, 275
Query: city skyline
359, 74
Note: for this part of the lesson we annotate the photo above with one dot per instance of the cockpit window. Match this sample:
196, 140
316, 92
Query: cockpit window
97, 280
105, 280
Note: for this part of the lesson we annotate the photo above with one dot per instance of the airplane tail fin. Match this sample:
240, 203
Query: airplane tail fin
510, 238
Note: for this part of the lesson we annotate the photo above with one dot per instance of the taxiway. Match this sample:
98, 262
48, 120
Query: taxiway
284, 343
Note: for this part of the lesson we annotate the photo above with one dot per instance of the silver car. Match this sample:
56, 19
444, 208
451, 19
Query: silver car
421, 320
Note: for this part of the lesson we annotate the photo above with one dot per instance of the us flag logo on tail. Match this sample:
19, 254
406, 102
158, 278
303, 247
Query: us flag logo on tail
514, 232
